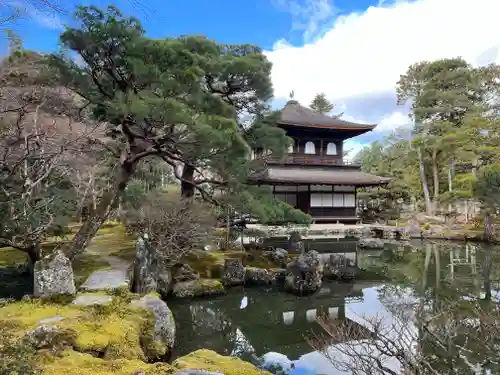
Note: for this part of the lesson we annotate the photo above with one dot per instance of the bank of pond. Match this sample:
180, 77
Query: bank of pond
260, 323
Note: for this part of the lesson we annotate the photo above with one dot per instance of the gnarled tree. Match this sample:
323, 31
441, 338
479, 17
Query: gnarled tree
180, 100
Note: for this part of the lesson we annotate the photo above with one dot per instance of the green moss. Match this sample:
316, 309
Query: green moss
198, 288
112, 331
74, 363
209, 264
11, 257
211, 361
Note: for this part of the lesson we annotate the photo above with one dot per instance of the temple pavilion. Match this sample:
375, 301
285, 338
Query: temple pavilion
314, 176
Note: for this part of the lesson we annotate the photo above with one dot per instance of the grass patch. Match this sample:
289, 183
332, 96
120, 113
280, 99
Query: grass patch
12, 257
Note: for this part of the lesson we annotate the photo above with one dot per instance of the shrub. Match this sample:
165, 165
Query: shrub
175, 226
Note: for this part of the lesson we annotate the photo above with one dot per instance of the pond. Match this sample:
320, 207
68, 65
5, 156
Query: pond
269, 326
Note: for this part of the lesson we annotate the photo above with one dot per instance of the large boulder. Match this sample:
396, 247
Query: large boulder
295, 243
262, 276
234, 272
278, 256
163, 340
150, 274
49, 337
371, 243
185, 273
305, 274
144, 276
340, 266
198, 288
53, 275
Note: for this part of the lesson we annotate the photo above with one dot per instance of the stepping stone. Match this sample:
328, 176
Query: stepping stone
54, 319
106, 279
87, 300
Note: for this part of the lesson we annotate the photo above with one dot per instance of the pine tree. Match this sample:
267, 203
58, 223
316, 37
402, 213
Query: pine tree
178, 100
321, 104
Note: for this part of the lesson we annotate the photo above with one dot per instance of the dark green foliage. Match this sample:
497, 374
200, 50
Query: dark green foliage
321, 104
487, 187
180, 100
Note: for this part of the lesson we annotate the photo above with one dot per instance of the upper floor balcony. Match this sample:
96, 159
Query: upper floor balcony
307, 159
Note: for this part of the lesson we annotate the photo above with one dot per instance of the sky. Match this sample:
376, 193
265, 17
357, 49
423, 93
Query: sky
352, 50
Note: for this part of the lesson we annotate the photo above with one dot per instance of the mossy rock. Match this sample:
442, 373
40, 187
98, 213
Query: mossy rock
75, 363
210, 264
198, 288
211, 361
110, 331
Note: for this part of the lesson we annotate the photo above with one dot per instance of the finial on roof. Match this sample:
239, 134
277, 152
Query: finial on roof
292, 100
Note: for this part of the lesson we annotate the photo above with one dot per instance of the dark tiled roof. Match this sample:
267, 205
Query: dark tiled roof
277, 174
295, 114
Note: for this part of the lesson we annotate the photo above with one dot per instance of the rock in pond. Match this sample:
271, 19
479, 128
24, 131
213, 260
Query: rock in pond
371, 243
198, 288
149, 272
340, 266
234, 272
305, 274
53, 275
185, 273
278, 256
262, 276
164, 329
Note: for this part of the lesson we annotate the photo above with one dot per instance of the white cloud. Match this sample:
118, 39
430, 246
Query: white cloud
307, 15
366, 52
392, 121
47, 16
352, 147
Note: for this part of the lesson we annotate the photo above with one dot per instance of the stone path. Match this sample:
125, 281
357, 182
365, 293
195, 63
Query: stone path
116, 277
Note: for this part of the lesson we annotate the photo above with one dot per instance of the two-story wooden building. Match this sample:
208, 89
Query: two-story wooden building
314, 176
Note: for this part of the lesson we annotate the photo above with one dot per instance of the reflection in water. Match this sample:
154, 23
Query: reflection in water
270, 326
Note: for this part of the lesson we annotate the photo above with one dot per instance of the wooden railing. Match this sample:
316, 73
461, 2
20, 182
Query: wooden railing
305, 159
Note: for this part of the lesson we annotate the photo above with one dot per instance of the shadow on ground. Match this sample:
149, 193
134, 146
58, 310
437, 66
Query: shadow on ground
14, 283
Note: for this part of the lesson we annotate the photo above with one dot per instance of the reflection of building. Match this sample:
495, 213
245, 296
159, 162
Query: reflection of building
314, 176
271, 322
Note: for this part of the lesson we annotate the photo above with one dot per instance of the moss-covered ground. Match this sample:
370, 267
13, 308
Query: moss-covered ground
99, 340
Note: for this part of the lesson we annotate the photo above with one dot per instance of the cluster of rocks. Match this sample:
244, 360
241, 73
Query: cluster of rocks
53, 275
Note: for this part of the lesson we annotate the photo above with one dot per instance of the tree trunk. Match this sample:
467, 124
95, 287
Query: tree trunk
34, 255
487, 273
489, 231
105, 206
435, 176
187, 188
425, 187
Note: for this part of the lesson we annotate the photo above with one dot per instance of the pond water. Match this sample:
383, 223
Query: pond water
269, 326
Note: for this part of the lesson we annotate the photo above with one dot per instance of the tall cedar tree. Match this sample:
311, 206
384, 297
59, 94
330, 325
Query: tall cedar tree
321, 104
177, 99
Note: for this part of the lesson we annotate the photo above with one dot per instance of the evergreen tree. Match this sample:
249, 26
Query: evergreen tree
177, 99
321, 104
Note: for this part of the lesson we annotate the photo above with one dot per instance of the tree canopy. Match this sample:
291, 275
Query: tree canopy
321, 104
181, 100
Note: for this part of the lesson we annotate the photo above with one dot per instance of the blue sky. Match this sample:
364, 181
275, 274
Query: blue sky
352, 50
